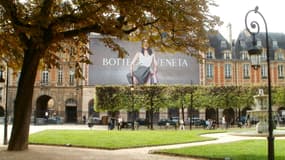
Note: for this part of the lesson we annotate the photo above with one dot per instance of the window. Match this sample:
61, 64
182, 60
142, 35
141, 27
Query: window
227, 55
242, 44
228, 73
210, 70
263, 71
280, 71
59, 76
210, 55
259, 43
275, 44
246, 69
280, 56
263, 55
71, 53
71, 102
63, 56
223, 44
45, 77
245, 55
71, 77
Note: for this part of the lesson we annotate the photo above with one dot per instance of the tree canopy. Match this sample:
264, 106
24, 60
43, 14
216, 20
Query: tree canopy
34, 32
176, 25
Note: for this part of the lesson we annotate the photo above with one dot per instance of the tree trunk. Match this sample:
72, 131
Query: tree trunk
151, 113
182, 112
217, 118
23, 102
151, 118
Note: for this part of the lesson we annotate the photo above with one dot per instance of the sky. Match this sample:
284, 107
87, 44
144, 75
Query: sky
234, 11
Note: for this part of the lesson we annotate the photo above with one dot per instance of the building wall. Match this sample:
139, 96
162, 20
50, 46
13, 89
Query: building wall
83, 93
88, 93
237, 78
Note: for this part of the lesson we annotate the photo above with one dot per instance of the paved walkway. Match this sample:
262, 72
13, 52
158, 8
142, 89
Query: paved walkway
41, 152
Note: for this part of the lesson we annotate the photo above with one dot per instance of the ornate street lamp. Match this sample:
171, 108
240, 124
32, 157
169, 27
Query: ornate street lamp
254, 53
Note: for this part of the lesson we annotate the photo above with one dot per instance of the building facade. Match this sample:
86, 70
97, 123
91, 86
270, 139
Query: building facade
230, 65
58, 94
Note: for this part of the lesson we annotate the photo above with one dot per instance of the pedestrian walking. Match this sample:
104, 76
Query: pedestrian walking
181, 124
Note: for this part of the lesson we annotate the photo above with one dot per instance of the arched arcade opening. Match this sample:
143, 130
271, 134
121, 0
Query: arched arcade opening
229, 114
212, 115
91, 109
44, 106
2, 111
71, 111
173, 112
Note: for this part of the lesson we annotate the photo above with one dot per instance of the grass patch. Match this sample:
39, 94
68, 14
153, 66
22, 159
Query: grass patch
241, 150
117, 139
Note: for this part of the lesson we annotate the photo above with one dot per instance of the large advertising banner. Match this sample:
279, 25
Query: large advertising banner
108, 69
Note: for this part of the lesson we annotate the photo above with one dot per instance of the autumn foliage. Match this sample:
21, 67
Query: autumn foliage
34, 32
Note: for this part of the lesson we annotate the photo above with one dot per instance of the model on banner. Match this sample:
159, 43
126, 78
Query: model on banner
146, 71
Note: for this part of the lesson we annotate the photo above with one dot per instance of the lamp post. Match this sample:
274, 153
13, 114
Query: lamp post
6, 103
133, 107
191, 105
191, 108
254, 53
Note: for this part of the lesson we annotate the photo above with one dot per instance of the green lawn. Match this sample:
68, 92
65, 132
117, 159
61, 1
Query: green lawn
242, 150
117, 139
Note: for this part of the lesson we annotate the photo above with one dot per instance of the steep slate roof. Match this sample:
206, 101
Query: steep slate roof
246, 38
215, 40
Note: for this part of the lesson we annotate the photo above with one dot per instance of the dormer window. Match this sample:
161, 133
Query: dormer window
263, 55
223, 44
259, 43
242, 44
227, 55
245, 55
210, 54
280, 56
275, 44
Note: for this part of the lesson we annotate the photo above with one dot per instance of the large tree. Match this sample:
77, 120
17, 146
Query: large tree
33, 30
152, 99
110, 98
180, 97
279, 96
